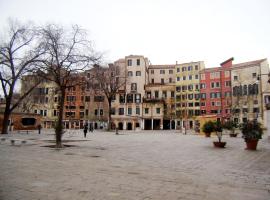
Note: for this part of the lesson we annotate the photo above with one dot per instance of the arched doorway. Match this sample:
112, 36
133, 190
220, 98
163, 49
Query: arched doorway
120, 126
129, 126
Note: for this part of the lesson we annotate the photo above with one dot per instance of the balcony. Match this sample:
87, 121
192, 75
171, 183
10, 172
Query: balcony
153, 100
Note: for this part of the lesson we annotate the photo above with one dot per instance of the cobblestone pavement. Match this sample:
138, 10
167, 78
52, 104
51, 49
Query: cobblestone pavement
133, 165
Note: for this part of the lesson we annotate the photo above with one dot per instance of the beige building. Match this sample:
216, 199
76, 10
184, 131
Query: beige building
127, 106
159, 98
250, 89
188, 94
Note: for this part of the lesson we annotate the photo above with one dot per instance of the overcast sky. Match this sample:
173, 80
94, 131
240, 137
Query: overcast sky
165, 31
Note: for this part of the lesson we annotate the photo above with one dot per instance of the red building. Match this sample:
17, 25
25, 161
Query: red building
215, 89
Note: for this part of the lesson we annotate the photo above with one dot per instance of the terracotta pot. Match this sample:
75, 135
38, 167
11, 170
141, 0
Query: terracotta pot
233, 135
251, 144
207, 134
219, 144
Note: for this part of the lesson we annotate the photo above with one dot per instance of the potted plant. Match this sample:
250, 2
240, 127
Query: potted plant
218, 129
252, 131
208, 128
231, 126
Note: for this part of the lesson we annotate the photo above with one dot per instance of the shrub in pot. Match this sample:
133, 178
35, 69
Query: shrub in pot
231, 126
218, 129
252, 131
208, 128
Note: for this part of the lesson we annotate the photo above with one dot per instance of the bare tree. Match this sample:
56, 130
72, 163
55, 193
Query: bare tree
69, 53
110, 81
19, 52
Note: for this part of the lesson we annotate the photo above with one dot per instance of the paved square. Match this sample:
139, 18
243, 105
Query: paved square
134, 165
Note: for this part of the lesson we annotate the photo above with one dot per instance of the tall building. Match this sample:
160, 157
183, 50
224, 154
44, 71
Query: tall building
250, 89
159, 99
127, 105
188, 94
215, 87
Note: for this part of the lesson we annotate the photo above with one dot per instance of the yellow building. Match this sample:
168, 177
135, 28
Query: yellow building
188, 94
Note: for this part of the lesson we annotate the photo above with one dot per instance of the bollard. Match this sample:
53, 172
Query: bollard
116, 131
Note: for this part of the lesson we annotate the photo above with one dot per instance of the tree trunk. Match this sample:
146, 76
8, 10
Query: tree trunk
6, 117
110, 115
59, 124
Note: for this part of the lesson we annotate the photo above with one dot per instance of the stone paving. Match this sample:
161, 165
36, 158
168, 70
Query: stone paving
143, 165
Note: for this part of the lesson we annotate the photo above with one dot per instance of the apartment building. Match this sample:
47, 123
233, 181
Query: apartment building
188, 94
250, 90
159, 99
215, 89
127, 106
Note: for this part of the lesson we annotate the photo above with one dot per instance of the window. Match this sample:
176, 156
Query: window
164, 94
217, 84
212, 85
196, 86
45, 113
122, 98
190, 96
96, 112
202, 76
162, 81
86, 112
235, 78
197, 104
245, 110
227, 74
202, 85
196, 76
129, 98
138, 73
172, 94
228, 83
190, 87
197, 96
138, 98
152, 71
254, 75
158, 110
203, 95
170, 71
121, 111
178, 69
202, 103
156, 94
113, 111
184, 78
184, 69
138, 62
129, 111
28, 121
190, 77
152, 81
227, 94
54, 113
256, 110
137, 110
162, 71
133, 86
212, 103
178, 88
101, 112
184, 88
87, 98
178, 78
146, 110
196, 67
189, 68
129, 62
218, 103
130, 73
170, 80
190, 104
98, 98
